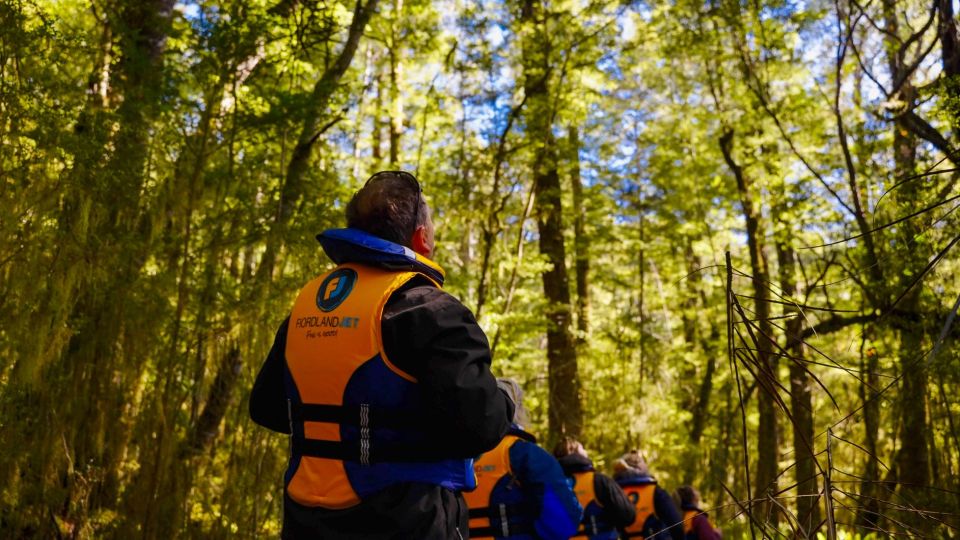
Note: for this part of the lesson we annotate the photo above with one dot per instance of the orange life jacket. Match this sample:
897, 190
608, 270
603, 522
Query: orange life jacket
646, 523
358, 423
583, 487
592, 526
498, 507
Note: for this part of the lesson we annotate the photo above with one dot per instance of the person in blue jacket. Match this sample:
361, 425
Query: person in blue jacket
521, 491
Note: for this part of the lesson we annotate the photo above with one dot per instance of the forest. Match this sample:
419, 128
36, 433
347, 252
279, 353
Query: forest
721, 232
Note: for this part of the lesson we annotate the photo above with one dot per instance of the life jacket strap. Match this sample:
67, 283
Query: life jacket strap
592, 528
495, 511
358, 416
361, 451
504, 513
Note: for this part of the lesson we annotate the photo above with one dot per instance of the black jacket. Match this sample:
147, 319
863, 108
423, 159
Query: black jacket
435, 338
618, 511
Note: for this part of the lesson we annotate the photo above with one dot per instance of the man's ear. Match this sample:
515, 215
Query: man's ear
419, 242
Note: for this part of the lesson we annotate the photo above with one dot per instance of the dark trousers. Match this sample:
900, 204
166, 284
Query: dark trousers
408, 511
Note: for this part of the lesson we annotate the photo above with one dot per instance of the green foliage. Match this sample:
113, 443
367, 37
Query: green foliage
136, 219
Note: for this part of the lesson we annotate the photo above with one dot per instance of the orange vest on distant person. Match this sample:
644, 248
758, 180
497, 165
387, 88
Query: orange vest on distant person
688, 516
592, 526
583, 487
501, 507
642, 498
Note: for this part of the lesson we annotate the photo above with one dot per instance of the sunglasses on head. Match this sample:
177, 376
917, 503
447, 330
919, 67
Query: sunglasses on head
411, 180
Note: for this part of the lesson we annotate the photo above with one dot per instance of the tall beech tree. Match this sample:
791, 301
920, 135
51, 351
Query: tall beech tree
566, 415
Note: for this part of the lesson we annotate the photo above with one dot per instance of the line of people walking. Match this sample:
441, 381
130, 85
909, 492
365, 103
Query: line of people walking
382, 383
525, 493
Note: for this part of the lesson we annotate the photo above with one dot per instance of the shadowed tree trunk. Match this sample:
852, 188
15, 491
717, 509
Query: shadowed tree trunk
396, 78
704, 348
376, 135
701, 408
767, 433
565, 415
868, 515
801, 402
913, 458
949, 38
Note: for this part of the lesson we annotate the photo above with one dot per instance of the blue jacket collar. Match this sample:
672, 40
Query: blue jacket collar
356, 246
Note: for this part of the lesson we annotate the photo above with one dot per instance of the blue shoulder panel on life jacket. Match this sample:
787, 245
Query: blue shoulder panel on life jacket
376, 384
510, 493
354, 245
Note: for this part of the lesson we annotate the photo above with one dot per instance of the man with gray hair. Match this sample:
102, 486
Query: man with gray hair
382, 380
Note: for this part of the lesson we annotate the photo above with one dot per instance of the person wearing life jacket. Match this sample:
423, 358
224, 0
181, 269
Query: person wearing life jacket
521, 490
696, 523
382, 380
657, 517
606, 508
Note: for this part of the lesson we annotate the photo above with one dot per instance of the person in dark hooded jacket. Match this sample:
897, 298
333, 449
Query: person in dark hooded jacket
657, 515
383, 382
606, 507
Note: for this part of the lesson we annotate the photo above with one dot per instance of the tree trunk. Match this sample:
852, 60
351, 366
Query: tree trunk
376, 136
580, 242
701, 408
565, 415
493, 226
868, 514
801, 402
949, 39
396, 77
704, 347
768, 452
913, 458
106, 241
641, 291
